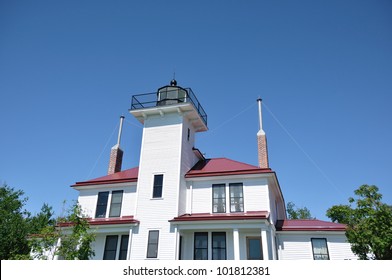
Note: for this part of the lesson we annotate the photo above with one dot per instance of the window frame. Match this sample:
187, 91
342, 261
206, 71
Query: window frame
215, 234
233, 199
221, 200
248, 238
123, 250
150, 245
157, 190
116, 203
107, 250
102, 206
204, 248
319, 254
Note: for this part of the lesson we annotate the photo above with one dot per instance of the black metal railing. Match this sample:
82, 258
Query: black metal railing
150, 100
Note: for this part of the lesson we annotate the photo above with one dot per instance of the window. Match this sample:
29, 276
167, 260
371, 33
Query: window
201, 246
236, 197
152, 246
102, 204
115, 205
219, 198
253, 247
110, 252
320, 249
158, 184
123, 247
219, 245
110, 247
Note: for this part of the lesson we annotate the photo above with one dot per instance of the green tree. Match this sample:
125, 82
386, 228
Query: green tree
14, 227
369, 223
43, 219
69, 238
295, 213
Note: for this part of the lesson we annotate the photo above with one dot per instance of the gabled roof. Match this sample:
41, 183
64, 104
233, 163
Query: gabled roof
308, 225
129, 175
222, 167
204, 168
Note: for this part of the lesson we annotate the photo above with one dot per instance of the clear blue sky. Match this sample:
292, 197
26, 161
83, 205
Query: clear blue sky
68, 70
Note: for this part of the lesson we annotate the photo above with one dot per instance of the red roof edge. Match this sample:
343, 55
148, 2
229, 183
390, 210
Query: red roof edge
250, 215
125, 176
106, 221
308, 225
225, 173
102, 182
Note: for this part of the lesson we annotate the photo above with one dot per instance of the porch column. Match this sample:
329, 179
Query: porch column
129, 244
264, 244
177, 245
273, 245
55, 256
236, 244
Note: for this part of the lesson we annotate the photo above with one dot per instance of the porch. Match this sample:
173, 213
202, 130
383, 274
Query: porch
245, 236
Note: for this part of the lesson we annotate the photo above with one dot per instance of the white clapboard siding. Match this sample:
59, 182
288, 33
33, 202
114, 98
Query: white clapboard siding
88, 199
298, 246
161, 153
255, 194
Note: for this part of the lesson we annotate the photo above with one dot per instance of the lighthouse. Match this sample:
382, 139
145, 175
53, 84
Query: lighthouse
171, 118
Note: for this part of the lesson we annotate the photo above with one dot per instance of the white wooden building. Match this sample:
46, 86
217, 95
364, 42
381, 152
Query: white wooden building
178, 205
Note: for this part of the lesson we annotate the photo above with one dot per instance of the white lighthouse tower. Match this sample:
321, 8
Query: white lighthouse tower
171, 118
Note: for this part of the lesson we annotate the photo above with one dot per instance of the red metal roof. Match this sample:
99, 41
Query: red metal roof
129, 175
223, 166
251, 215
106, 221
113, 221
308, 225
204, 168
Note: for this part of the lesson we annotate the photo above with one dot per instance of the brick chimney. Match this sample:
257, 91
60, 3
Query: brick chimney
116, 154
262, 142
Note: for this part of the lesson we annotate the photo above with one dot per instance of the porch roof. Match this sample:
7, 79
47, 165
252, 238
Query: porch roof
250, 215
308, 225
106, 221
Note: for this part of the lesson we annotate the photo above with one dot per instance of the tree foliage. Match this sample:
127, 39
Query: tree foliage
295, 213
23, 236
13, 224
76, 244
43, 219
369, 223
69, 238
